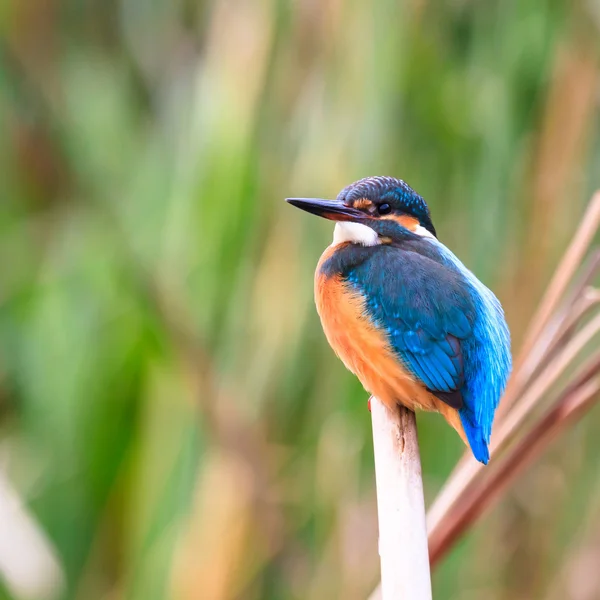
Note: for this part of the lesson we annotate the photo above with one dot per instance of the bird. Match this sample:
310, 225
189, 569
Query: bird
404, 314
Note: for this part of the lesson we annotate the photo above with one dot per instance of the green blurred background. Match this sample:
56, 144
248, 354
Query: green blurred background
173, 424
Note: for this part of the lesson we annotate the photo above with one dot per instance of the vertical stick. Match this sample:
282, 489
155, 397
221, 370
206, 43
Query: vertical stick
400, 506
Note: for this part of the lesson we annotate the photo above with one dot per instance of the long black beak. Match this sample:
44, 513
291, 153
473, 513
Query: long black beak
328, 209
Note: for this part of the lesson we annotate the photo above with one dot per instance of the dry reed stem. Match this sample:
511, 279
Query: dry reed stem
589, 299
403, 546
545, 381
579, 300
548, 337
571, 405
564, 274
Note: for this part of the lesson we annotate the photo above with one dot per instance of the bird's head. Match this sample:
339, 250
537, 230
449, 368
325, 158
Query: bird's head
373, 209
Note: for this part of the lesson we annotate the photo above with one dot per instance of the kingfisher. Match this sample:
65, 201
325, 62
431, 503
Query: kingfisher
404, 314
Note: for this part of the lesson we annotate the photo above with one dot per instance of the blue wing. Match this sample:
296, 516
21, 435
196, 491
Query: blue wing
427, 312
444, 325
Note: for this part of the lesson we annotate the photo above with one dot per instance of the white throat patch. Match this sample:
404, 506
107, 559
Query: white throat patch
355, 233
424, 232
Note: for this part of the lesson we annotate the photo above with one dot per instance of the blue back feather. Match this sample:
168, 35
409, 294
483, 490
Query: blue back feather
446, 327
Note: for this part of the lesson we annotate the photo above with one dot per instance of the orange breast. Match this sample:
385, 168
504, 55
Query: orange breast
362, 347
366, 352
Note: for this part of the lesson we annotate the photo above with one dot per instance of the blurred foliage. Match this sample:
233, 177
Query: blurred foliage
170, 412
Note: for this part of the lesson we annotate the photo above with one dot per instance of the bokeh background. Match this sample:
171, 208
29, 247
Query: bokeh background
173, 424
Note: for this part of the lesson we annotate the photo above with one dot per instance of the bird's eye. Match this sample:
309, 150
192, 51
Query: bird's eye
384, 209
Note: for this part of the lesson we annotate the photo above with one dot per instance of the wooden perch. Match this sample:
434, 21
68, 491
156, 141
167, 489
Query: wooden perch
400, 506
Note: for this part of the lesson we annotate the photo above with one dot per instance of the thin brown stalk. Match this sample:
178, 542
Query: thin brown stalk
570, 407
589, 300
548, 336
564, 274
587, 372
545, 381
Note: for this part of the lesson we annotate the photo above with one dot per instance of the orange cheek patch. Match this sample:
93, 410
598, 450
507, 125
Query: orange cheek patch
406, 221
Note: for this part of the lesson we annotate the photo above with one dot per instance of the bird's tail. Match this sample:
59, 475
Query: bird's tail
472, 435
475, 437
